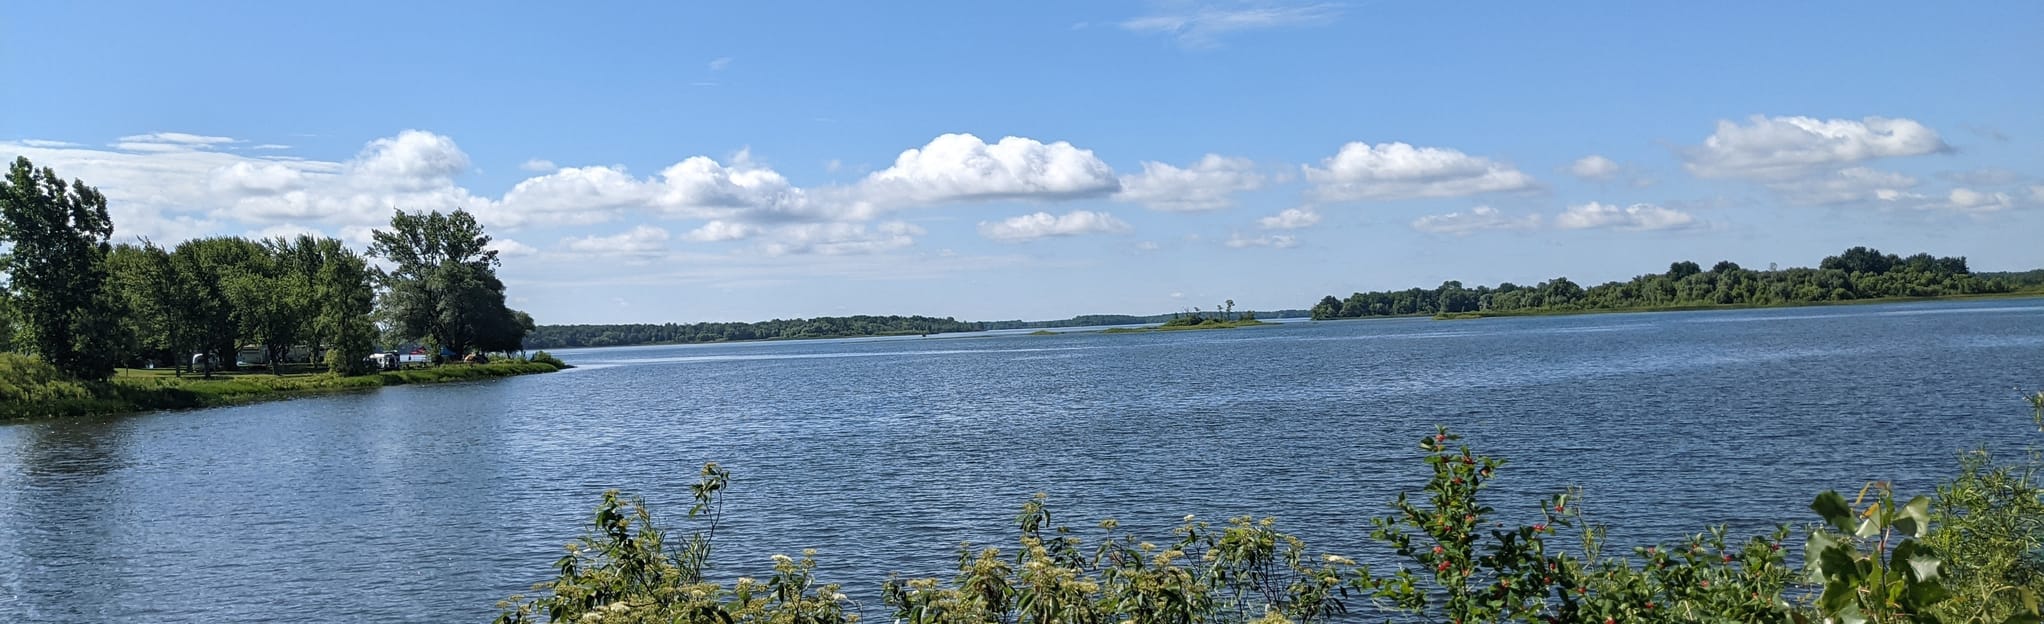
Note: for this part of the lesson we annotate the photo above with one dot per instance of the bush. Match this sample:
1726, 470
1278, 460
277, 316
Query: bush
548, 358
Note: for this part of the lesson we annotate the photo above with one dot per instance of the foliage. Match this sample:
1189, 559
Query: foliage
549, 359
1990, 520
444, 287
558, 336
1970, 555
1858, 273
625, 572
56, 269
30, 389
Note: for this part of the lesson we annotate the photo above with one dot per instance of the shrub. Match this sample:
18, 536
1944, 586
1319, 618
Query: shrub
549, 359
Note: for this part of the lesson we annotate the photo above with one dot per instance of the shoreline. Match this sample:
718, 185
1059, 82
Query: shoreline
130, 392
1463, 316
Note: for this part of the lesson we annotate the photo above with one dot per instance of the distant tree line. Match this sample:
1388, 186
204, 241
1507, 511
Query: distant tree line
560, 336
1095, 320
1858, 273
86, 306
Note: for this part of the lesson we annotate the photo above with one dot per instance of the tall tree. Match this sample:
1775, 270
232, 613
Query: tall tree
204, 268
155, 302
56, 268
345, 298
444, 284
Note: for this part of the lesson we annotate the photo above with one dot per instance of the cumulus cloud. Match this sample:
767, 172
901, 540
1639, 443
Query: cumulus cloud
1965, 200
174, 187
1635, 217
1594, 167
1209, 184
1361, 171
1775, 147
1477, 219
510, 248
718, 231
1290, 219
640, 240
1849, 185
1202, 24
1277, 241
961, 167
1043, 225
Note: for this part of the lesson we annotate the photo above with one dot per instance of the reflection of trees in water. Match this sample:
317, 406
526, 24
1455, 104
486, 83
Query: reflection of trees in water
55, 514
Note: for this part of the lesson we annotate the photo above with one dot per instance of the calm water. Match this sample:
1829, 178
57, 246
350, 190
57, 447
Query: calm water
431, 503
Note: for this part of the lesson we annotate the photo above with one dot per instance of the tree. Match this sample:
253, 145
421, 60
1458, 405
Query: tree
1329, 307
343, 288
203, 268
1685, 268
56, 269
158, 307
444, 286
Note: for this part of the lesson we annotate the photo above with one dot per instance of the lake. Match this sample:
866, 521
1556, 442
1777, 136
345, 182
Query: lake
429, 504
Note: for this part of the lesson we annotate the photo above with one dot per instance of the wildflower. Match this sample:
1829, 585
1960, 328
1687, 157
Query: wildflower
1338, 559
837, 597
782, 559
1188, 517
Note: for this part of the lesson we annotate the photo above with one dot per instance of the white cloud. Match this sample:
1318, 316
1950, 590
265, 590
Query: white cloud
640, 240
1290, 219
1973, 202
1852, 184
1361, 171
1147, 246
1043, 224
1278, 241
1200, 24
1477, 219
1775, 147
538, 165
720, 63
510, 248
1634, 217
1594, 167
961, 167
170, 142
412, 160
1206, 185
270, 147
841, 239
574, 195
46, 143
718, 231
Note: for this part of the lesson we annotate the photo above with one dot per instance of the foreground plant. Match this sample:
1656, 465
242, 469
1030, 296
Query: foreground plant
1878, 562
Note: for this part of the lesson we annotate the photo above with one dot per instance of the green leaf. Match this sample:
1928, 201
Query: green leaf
1915, 519
1833, 508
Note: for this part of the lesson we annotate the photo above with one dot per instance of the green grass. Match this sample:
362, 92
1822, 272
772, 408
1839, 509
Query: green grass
30, 389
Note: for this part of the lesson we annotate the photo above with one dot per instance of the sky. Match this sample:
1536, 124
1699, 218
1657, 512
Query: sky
685, 162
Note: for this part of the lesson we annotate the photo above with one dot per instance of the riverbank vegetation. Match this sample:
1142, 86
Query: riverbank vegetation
31, 389
1970, 552
1857, 274
85, 308
564, 336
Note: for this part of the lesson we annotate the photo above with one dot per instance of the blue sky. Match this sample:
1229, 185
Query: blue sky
744, 161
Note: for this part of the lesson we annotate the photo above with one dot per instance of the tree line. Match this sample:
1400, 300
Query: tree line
87, 306
559, 336
1858, 273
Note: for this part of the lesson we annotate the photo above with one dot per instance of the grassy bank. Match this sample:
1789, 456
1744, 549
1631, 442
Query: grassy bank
30, 389
2026, 294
